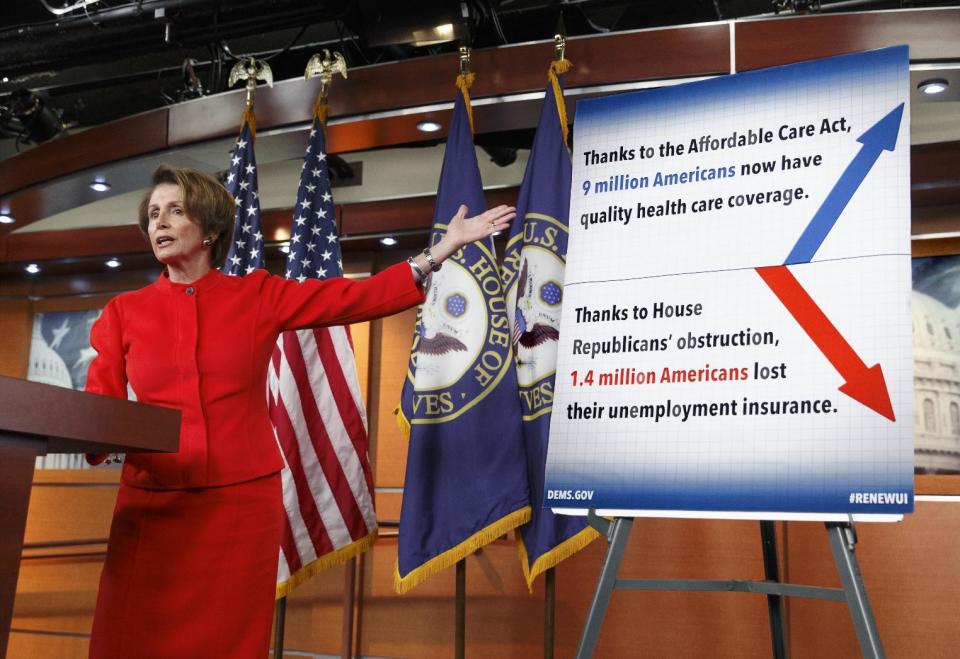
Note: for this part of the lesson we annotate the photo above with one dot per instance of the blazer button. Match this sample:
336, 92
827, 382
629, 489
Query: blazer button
189, 290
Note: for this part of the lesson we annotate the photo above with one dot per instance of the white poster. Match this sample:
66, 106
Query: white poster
736, 329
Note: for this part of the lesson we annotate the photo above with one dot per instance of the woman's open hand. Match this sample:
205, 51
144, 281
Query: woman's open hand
463, 230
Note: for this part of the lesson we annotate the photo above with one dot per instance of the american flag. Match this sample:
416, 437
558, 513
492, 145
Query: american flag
316, 405
246, 252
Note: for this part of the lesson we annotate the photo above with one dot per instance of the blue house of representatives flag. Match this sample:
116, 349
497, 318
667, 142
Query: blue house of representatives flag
246, 251
466, 479
533, 278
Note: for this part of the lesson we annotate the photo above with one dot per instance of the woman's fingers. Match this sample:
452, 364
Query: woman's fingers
498, 215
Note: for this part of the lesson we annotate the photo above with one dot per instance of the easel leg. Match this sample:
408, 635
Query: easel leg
771, 569
842, 541
619, 533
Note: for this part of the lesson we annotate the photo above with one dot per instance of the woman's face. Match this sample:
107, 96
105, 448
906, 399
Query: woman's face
176, 238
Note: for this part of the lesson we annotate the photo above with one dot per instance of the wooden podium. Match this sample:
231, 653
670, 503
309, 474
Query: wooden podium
37, 419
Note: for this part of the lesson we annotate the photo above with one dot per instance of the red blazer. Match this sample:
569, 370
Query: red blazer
203, 349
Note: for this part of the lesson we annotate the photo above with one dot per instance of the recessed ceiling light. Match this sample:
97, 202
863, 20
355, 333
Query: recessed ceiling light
427, 126
99, 185
6, 79
933, 86
285, 247
112, 263
389, 241
33, 268
6, 219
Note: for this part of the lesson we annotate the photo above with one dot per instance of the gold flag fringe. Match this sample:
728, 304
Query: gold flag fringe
325, 562
463, 84
452, 556
552, 558
559, 67
403, 423
250, 119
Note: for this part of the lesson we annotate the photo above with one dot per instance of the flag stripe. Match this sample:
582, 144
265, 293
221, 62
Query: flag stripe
323, 386
343, 344
308, 509
343, 396
319, 491
296, 543
340, 496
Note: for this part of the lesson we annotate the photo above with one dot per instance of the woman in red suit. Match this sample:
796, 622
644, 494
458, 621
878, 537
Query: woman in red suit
192, 559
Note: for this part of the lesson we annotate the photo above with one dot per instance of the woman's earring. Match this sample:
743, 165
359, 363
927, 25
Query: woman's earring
208, 242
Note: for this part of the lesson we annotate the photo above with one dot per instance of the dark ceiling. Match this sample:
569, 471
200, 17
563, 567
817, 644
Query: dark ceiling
114, 58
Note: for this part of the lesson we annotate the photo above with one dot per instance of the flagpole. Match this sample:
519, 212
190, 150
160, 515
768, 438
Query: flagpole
461, 616
281, 623
550, 575
549, 611
349, 586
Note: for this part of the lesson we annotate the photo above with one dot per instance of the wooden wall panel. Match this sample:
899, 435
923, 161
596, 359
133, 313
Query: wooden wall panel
390, 458
16, 327
911, 573
123, 138
315, 614
360, 337
32, 645
931, 35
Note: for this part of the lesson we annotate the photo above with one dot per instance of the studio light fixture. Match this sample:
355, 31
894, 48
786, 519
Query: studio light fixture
428, 126
933, 86
113, 263
6, 218
443, 33
39, 119
389, 241
33, 268
99, 185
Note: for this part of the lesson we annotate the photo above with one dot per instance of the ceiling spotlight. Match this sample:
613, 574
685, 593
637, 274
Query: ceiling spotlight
428, 126
112, 263
6, 219
389, 241
6, 78
99, 185
285, 247
933, 86
33, 268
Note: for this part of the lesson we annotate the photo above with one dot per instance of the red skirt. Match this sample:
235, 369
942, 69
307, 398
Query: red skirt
190, 573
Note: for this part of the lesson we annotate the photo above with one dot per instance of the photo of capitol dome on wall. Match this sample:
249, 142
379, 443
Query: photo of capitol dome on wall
60, 354
936, 358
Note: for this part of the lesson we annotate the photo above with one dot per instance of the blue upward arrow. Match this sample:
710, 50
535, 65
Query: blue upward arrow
882, 136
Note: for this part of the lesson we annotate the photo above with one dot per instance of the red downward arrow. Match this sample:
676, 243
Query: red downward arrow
865, 385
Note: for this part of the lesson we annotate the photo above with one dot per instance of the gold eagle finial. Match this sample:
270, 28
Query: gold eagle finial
325, 67
251, 70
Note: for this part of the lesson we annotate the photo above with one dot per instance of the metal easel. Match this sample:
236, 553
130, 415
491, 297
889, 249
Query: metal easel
843, 540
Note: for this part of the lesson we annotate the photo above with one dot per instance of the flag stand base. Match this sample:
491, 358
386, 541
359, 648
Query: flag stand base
842, 537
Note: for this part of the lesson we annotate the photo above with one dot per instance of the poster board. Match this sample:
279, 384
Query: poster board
736, 332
